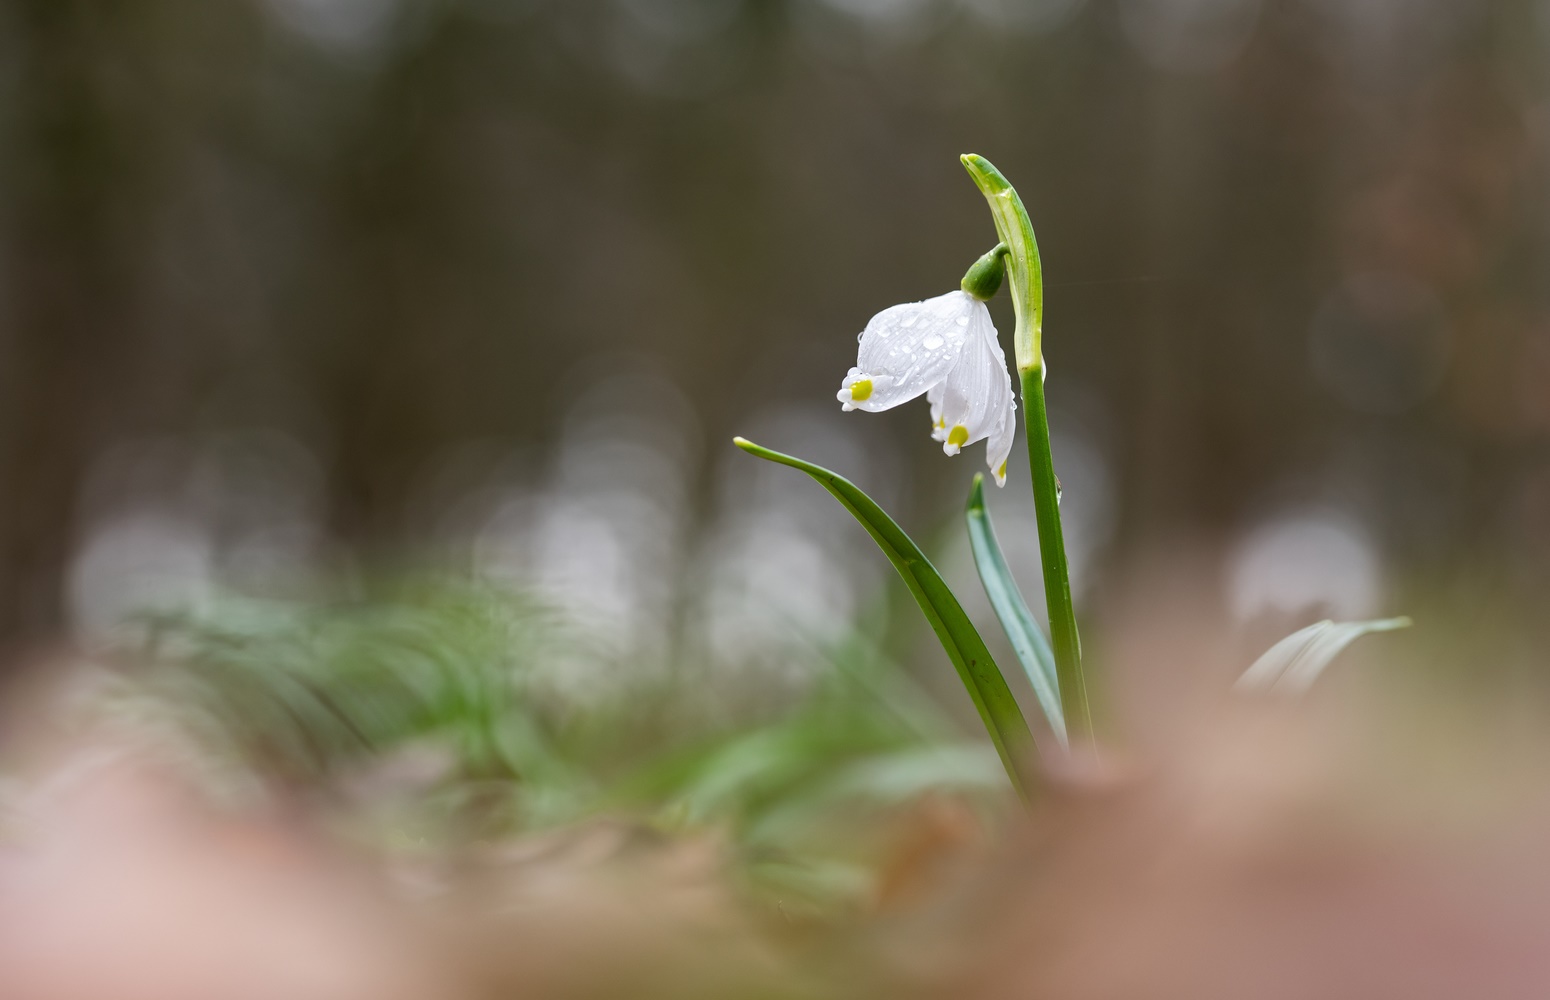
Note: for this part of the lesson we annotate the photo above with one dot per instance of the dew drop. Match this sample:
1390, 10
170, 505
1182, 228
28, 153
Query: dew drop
932, 342
909, 320
963, 321
860, 335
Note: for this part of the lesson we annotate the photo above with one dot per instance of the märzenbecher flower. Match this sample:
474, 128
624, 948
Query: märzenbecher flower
946, 348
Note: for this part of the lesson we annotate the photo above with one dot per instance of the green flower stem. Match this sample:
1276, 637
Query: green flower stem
1064, 641
1026, 275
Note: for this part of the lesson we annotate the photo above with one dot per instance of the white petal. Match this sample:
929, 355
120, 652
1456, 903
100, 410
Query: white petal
938, 425
907, 350
999, 447
977, 396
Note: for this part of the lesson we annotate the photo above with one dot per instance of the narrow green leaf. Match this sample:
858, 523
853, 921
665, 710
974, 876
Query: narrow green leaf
981, 677
1028, 640
1292, 665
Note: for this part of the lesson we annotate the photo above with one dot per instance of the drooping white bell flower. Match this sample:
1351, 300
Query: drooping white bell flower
946, 348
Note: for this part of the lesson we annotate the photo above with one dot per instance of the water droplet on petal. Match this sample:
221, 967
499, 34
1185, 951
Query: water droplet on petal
909, 320
932, 342
963, 321
860, 336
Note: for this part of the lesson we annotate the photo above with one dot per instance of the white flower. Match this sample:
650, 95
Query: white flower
947, 348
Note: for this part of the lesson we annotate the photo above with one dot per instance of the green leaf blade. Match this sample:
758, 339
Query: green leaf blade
1290, 667
986, 686
1028, 641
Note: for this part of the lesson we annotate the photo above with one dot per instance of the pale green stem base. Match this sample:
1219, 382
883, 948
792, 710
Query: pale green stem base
1065, 643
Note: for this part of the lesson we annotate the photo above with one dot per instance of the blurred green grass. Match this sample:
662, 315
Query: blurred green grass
436, 716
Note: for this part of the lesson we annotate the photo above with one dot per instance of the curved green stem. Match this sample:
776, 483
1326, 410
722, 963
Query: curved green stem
1064, 641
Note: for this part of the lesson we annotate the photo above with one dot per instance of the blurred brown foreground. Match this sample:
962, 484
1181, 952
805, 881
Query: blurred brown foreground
1272, 852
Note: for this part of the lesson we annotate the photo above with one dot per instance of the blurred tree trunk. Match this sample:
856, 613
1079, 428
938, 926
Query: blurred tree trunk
67, 292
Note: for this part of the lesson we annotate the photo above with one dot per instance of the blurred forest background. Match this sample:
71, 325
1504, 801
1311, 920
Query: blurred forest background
399, 605
320, 289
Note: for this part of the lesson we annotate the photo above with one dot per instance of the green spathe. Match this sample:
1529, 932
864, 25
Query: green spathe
1022, 259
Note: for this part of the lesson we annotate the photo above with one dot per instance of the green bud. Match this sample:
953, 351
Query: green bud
984, 278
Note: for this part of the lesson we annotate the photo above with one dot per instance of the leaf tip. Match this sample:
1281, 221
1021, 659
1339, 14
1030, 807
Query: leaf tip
977, 493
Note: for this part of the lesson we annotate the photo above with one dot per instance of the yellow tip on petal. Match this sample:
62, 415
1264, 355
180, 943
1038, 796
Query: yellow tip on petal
958, 436
1001, 472
861, 390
